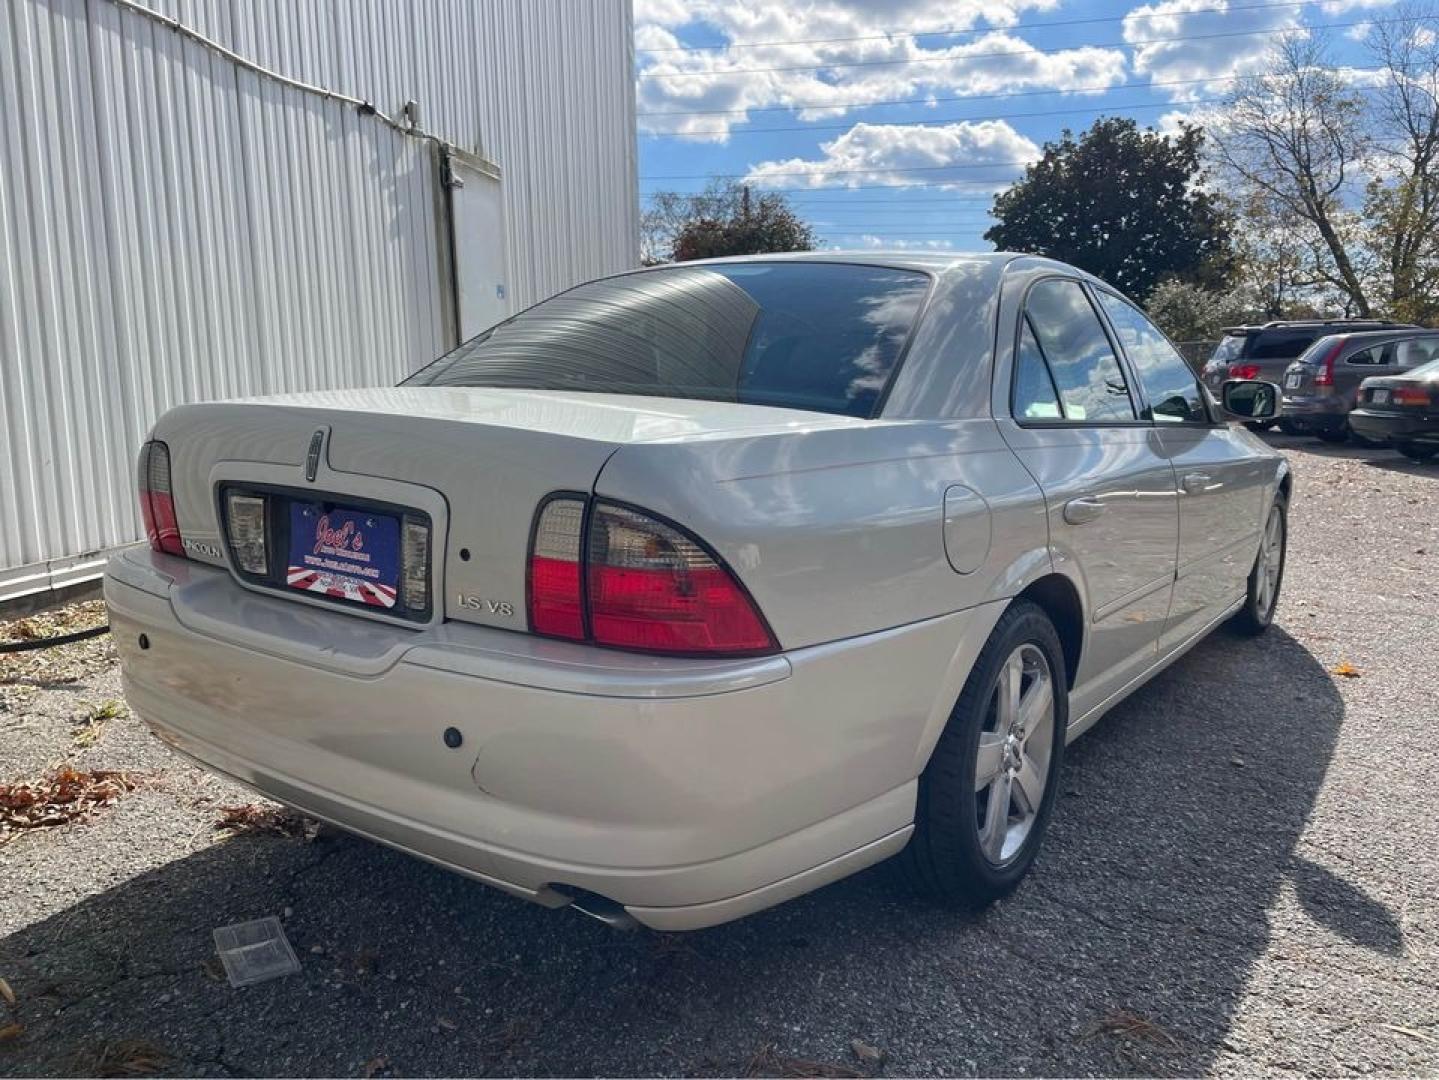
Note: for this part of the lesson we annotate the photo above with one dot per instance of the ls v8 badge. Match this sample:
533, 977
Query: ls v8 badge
489, 607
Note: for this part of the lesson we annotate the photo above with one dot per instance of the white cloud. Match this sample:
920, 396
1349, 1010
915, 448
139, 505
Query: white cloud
1339, 7
875, 242
989, 153
1181, 40
891, 65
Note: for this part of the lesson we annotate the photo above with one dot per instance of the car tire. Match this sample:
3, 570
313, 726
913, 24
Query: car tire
1289, 427
1416, 451
962, 854
1261, 596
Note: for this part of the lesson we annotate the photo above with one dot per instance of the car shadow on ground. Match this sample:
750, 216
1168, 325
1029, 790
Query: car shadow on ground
1176, 830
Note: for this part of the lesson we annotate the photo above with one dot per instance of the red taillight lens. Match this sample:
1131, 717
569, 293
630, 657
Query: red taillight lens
635, 583
1411, 395
652, 587
157, 504
1244, 371
1326, 376
556, 597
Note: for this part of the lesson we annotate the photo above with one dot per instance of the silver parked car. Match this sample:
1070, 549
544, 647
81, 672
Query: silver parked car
692, 589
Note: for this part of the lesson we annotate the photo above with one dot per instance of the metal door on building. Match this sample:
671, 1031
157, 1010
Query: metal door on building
477, 221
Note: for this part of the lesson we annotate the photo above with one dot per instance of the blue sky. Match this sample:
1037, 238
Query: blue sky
888, 134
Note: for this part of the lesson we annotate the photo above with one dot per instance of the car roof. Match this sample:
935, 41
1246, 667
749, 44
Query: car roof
1392, 334
902, 259
1312, 324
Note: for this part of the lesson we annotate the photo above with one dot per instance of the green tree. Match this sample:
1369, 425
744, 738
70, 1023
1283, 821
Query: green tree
724, 219
1189, 312
1123, 203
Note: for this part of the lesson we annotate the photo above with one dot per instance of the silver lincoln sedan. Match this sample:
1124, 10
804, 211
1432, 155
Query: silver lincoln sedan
692, 589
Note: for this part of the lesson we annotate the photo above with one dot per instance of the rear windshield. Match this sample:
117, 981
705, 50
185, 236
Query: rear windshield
822, 336
1279, 344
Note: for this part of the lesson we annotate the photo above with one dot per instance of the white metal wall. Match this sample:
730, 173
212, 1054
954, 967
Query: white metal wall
174, 227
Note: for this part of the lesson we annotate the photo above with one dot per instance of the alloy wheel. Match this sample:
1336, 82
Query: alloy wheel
1271, 562
1016, 745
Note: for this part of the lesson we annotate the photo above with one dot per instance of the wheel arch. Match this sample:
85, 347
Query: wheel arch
1057, 596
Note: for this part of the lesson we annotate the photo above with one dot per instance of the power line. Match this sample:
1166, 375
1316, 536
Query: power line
1013, 52
1098, 89
894, 32
939, 123
765, 189
846, 172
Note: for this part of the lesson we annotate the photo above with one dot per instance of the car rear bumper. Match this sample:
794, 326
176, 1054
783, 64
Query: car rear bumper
689, 792
1313, 413
1423, 427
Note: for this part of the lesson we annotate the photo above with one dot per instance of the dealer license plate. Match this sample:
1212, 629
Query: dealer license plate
349, 555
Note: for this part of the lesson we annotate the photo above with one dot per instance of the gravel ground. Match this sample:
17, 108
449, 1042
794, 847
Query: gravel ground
1242, 877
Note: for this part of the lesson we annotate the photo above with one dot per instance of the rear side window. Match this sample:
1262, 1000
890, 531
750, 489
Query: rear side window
1035, 397
1173, 393
821, 336
1374, 356
1077, 352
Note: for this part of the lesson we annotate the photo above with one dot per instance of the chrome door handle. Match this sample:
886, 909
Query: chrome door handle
1082, 510
1195, 481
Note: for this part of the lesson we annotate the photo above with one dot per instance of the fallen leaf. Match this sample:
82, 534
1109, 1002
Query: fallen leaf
131, 1057
59, 797
446, 1023
374, 1065
1413, 1034
1126, 1024
1346, 670
870, 1055
7, 993
11, 1032
1237, 762
267, 820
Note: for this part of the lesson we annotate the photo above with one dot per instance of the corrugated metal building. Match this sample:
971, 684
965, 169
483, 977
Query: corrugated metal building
212, 198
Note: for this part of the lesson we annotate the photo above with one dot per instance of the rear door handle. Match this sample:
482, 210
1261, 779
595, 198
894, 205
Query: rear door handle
1082, 510
1195, 482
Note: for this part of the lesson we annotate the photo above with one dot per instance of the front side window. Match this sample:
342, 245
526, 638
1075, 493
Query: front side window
1416, 351
1081, 360
819, 336
1169, 384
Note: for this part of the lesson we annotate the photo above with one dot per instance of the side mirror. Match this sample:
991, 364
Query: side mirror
1249, 399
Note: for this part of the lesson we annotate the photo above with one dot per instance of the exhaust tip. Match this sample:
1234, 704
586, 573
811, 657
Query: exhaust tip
602, 908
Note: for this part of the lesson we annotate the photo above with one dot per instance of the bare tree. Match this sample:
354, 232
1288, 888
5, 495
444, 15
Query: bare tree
1296, 132
1402, 201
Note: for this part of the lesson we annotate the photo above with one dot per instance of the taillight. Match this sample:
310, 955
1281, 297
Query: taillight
1244, 371
1410, 395
157, 502
245, 522
556, 600
627, 580
1326, 376
415, 563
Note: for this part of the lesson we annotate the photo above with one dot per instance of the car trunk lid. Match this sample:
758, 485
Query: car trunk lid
475, 463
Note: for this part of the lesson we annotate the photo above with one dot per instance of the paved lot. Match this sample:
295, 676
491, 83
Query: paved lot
1242, 876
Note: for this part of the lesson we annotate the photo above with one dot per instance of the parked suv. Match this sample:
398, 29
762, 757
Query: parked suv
1322, 386
1264, 351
